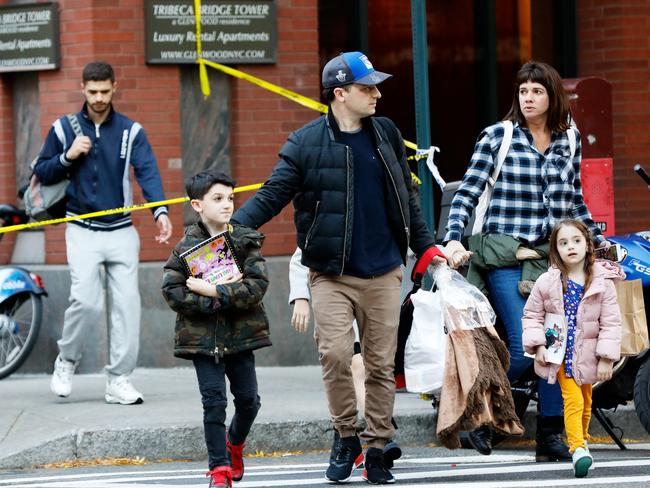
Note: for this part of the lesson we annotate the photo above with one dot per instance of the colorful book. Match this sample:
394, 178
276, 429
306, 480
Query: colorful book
555, 332
213, 260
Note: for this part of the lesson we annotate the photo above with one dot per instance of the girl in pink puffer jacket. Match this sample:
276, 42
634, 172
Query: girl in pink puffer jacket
582, 290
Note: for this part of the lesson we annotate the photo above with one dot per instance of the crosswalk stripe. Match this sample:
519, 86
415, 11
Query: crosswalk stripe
133, 478
555, 483
261, 470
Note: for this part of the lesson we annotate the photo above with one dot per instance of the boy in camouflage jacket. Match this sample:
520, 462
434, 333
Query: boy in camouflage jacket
219, 326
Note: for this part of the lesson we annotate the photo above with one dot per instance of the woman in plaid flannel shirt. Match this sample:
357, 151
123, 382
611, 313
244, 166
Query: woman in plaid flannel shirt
538, 186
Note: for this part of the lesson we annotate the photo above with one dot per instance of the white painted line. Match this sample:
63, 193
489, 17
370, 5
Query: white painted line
491, 459
475, 459
133, 479
555, 483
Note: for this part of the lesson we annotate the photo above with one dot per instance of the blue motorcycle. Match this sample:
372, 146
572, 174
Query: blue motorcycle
21, 306
631, 380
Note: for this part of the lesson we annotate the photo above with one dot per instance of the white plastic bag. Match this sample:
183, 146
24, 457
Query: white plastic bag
426, 346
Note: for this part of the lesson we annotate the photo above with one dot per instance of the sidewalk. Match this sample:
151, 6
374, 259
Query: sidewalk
36, 427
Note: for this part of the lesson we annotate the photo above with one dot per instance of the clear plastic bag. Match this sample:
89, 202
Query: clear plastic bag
463, 305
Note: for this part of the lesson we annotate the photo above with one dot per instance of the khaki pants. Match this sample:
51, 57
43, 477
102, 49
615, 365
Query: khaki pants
375, 303
577, 410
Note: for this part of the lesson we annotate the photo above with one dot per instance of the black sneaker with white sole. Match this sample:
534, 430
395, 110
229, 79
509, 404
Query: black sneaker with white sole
391, 452
349, 456
374, 471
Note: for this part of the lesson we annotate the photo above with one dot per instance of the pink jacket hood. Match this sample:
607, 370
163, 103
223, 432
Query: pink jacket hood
598, 321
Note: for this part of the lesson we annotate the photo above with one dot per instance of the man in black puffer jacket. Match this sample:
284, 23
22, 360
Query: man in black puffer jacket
355, 215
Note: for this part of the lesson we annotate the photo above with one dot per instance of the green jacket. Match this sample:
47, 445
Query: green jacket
499, 251
234, 320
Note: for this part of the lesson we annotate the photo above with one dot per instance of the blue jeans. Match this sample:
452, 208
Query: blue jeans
509, 306
240, 369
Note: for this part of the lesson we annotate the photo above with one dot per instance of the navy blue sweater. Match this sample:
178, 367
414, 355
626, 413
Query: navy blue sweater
100, 180
374, 249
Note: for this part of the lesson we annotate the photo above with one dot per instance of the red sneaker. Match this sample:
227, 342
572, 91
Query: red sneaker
236, 459
220, 477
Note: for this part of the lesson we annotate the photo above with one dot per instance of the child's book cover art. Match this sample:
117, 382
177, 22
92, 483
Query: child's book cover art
213, 260
555, 330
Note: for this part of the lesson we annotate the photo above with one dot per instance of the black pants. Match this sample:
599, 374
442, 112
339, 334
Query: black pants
240, 369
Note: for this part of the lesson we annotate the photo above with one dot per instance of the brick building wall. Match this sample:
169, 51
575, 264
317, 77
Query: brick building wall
614, 43
151, 95
262, 120
7, 168
148, 94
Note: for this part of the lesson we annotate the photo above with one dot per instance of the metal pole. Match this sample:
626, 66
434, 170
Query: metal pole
422, 120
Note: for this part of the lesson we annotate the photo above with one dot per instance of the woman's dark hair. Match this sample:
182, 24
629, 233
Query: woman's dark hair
199, 184
559, 111
98, 71
556, 260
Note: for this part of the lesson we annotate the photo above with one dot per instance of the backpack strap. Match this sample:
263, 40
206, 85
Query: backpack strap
571, 134
74, 123
508, 129
484, 200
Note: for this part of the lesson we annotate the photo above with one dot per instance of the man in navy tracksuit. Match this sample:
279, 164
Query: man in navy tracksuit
97, 156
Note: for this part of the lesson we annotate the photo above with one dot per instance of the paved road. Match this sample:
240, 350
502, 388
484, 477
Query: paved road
421, 468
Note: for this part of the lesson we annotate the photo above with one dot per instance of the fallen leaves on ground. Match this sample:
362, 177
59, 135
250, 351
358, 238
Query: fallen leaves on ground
76, 463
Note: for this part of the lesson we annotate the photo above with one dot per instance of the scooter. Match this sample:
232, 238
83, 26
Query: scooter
21, 306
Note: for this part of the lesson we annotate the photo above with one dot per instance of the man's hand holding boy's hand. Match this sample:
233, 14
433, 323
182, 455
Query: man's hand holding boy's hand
604, 371
200, 287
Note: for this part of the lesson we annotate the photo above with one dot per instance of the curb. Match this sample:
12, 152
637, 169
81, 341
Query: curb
187, 442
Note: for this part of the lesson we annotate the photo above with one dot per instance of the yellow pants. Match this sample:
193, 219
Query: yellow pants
577, 410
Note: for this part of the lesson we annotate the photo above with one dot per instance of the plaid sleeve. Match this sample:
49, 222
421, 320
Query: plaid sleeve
466, 197
580, 210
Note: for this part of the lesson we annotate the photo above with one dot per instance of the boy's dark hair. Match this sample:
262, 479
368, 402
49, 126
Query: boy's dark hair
98, 71
199, 184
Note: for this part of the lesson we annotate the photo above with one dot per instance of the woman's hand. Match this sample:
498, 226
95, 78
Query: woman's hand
539, 356
456, 254
604, 371
200, 287
301, 313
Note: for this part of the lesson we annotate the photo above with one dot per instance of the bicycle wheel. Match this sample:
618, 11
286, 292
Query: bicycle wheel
20, 322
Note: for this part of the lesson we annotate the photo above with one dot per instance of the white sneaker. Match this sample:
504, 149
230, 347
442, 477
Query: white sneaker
582, 461
120, 390
61, 383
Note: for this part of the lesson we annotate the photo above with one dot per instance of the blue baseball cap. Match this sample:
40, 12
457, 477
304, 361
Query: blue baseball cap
353, 67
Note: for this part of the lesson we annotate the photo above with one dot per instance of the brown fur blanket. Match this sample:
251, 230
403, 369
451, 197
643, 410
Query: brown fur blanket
476, 390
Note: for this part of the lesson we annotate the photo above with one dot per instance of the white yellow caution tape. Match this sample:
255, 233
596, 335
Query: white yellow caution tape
205, 89
101, 213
